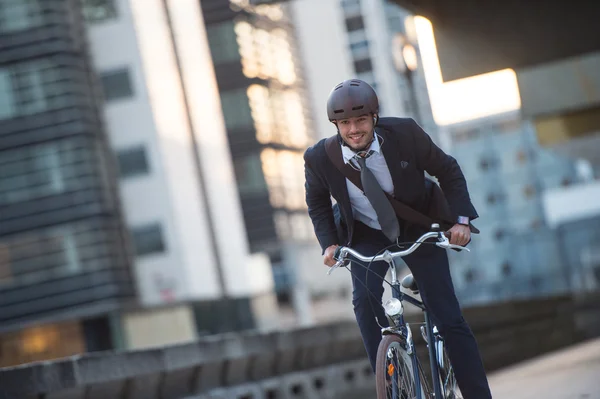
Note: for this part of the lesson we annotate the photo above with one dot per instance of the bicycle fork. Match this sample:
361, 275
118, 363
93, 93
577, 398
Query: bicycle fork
433, 361
410, 346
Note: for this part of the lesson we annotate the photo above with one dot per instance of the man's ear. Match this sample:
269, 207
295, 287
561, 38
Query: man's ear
375, 119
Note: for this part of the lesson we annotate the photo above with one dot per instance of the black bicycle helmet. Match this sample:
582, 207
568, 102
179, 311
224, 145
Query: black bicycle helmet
350, 99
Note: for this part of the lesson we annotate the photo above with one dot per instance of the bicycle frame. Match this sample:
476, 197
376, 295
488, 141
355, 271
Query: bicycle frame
431, 347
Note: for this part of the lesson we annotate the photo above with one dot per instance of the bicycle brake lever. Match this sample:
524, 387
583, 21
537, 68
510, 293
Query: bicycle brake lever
339, 263
452, 246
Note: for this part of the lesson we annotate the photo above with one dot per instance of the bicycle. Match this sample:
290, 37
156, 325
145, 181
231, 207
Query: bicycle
396, 355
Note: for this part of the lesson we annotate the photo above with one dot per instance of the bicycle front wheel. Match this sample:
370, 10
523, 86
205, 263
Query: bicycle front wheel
394, 374
448, 382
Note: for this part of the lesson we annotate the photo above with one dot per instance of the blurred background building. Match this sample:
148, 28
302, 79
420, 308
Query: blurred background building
368, 40
269, 125
519, 184
151, 171
116, 173
507, 173
64, 246
163, 117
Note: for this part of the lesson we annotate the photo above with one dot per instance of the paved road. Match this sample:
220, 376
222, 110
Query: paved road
571, 373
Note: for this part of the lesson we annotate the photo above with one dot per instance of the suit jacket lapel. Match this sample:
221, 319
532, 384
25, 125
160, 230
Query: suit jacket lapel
338, 183
391, 154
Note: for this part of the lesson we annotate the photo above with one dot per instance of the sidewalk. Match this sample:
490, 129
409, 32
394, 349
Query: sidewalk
571, 373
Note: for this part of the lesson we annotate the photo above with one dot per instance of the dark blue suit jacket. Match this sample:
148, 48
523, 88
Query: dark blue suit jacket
403, 140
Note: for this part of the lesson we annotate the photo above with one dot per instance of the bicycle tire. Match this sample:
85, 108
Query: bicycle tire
391, 342
448, 383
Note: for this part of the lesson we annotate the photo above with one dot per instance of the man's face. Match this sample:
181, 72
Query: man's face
357, 132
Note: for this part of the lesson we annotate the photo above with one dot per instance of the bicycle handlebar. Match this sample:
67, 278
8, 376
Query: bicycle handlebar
342, 253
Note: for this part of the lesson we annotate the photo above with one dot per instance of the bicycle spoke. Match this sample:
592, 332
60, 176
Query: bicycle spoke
398, 371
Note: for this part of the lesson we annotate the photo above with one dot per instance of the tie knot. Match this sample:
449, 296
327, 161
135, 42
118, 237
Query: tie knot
361, 157
362, 162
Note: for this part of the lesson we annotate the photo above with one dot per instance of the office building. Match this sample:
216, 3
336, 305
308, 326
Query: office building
121, 226
269, 124
65, 264
517, 254
510, 174
165, 123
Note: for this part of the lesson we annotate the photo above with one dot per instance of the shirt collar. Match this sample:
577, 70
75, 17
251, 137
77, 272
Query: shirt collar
348, 153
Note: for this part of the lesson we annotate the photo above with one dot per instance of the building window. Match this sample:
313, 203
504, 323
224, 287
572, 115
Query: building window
265, 54
495, 198
236, 109
363, 44
499, 234
99, 10
529, 191
355, 23
223, 43
133, 162
8, 107
30, 172
506, 269
284, 174
36, 256
360, 49
18, 15
29, 88
566, 182
249, 175
361, 66
116, 84
148, 239
488, 163
470, 276
278, 116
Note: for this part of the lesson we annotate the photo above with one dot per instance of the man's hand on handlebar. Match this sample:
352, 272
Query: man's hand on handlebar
459, 235
328, 259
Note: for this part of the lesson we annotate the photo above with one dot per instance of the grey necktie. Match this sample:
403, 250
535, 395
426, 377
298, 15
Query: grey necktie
383, 208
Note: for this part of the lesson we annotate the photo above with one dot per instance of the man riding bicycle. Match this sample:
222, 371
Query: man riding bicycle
391, 155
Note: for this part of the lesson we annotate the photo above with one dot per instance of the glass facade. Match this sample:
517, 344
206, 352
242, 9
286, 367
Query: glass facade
267, 123
63, 246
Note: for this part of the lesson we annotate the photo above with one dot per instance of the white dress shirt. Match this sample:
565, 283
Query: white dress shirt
362, 210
